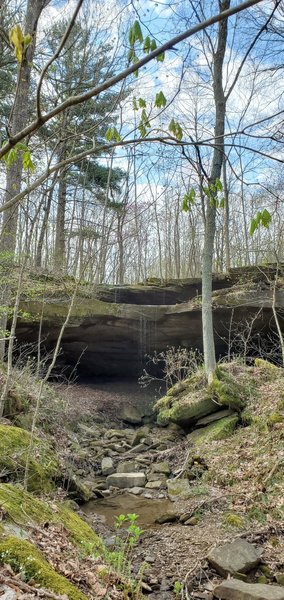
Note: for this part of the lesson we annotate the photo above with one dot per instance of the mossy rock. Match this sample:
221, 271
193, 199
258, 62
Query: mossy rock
14, 448
24, 558
23, 508
193, 399
219, 430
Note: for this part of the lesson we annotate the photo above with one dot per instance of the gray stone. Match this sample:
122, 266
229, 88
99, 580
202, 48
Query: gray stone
7, 593
235, 557
139, 435
167, 518
107, 465
178, 489
126, 480
155, 476
127, 467
161, 467
130, 414
136, 491
233, 589
154, 485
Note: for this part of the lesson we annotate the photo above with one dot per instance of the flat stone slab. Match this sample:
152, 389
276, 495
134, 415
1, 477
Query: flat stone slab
233, 589
214, 417
235, 557
126, 480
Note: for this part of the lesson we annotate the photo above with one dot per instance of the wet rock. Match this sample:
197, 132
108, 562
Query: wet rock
178, 489
167, 518
126, 480
233, 589
107, 466
130, 414
127, 467
235, 557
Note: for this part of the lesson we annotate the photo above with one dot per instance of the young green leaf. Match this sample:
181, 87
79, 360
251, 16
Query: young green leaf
160, 101
161, 57
147, 45
188, 200
175, 129
142, 103
112, 134
17, 40
153, 45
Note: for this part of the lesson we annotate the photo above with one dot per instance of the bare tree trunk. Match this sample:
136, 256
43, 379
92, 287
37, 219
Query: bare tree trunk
18, 119
210, 224
226, 217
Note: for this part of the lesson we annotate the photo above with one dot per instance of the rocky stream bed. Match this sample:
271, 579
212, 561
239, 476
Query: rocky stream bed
132, 466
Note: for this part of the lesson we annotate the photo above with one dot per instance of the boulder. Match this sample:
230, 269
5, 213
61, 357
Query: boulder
178, 489
130, 414
234, 589
167, 518
126, 480
234, 557
107, 465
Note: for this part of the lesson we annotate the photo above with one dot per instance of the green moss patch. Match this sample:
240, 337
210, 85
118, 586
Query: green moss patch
14, 447
22, 508
219, 430
24, 558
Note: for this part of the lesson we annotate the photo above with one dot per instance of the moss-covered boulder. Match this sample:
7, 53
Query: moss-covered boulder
24, 558
23, 508
192, 399
219, 430
14, 449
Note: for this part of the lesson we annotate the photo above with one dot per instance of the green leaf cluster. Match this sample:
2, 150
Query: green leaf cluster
13, 153
188, 200
149, 44
112, 134
262, 219
176, 130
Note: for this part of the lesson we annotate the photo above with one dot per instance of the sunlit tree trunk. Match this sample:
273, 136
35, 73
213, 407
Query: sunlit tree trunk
210, 221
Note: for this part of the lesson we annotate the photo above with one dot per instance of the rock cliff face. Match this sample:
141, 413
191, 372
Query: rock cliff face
113, 327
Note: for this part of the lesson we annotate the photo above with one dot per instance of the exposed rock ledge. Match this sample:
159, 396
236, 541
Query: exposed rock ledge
113, 327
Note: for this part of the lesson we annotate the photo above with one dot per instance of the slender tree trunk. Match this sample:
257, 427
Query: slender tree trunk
38, 259
18, 119
210, 223
226, 217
